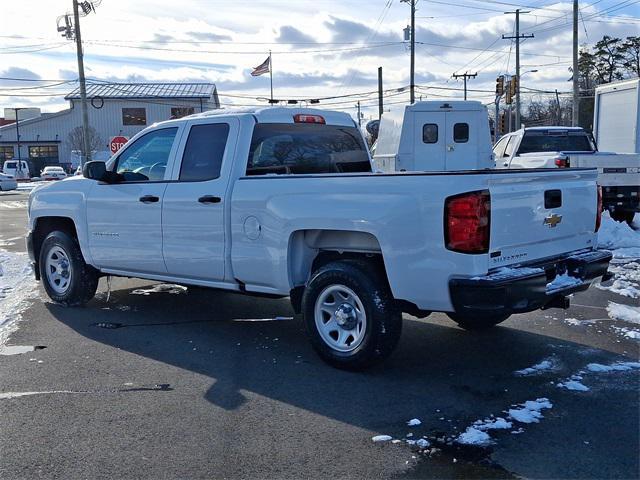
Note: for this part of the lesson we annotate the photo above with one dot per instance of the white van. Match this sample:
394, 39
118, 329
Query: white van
434, 136
10, 167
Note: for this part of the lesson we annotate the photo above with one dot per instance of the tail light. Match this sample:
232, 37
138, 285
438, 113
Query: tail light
467, 222
599, 212
303, 118
562, 162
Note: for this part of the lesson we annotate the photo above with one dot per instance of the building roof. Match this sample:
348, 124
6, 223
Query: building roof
146, 90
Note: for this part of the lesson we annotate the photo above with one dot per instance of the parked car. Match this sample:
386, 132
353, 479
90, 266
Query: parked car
10, 167
282, 202
564, 147
7, 182
53, 173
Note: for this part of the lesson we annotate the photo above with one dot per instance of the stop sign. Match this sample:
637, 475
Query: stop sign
116, 143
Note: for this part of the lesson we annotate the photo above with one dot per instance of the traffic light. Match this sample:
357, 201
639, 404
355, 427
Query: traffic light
502, 122
508, 98
500, 86
513, 86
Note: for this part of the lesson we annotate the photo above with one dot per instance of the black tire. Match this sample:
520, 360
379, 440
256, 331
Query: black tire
623, 216
82, 278
383, 318
479, 321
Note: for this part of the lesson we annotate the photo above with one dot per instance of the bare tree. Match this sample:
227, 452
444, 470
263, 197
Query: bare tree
75, 139
631, 54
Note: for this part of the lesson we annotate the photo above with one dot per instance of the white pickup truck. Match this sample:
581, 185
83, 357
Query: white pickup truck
564, 147
282, 202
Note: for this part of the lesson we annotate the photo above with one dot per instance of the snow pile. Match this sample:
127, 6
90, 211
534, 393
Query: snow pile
529, 411
537, 369
628, 332
626, 281
414, 422
562, 281
614, 367
381, 438
17, 287
618, 237
625, 313
474, 436
13, 204
573, 383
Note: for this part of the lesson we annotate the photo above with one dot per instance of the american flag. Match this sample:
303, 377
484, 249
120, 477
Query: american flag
264, 67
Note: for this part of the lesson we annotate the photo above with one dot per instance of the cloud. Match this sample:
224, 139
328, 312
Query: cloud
209, 36
18, 72
349, 31
292, 35
163, 38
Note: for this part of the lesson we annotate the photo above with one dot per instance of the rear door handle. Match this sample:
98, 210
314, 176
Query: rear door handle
149, 199
209, 199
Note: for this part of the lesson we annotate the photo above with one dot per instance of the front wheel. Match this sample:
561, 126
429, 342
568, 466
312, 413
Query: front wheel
66, 277
623, 216
479, 321
352, 320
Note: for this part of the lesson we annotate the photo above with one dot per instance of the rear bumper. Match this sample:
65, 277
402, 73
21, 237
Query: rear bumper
527, 288
621, 198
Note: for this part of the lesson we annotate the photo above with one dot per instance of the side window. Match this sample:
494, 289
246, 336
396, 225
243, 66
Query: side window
511, 145
203, 153
461, 132
146, 158
498, 150
430, 133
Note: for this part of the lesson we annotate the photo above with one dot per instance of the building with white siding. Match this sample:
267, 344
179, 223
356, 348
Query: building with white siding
115, 109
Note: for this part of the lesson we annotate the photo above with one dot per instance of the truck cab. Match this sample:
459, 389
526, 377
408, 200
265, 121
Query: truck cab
434, 136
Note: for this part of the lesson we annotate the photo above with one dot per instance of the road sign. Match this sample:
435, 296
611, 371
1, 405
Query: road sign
116, 143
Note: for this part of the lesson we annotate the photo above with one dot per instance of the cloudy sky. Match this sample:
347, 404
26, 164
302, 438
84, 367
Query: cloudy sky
321, 48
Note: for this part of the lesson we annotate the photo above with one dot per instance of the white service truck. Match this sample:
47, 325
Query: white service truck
434, 136
570, 147
282, 202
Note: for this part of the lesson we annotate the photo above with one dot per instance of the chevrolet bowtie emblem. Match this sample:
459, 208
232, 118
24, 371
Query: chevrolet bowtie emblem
552, 220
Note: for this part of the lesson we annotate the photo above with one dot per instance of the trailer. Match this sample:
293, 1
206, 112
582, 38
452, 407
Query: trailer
616, 117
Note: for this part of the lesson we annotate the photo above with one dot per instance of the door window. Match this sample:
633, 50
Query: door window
430, 133
461, 132
146, 158
203, 153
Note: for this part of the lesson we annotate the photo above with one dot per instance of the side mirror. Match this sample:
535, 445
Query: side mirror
94, 170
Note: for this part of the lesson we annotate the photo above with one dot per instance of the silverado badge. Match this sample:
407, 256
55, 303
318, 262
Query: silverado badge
552, 220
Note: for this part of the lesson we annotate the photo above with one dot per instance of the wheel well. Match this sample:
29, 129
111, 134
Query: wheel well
45, 225
311, 249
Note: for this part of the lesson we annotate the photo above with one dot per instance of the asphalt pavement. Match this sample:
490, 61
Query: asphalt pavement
151, 381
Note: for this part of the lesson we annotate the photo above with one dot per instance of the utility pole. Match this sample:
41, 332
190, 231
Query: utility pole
576, 99
380, 104
465, 76
559, 109
19, 170
359, 117
412, 83
517, 37
72, 32
83, 87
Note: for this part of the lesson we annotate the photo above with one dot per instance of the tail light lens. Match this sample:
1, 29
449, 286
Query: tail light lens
467, 222
562, 162
599, 212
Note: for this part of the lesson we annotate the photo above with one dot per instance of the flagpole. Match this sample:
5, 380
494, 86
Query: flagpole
271, 75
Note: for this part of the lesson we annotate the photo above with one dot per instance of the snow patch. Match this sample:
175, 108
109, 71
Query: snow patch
17, 288
627, 332
474, 436
545, 365
160, 288
561, 282
614, 367
625, 313
11, 204
529, 411
575, 385
414, 422
381, 438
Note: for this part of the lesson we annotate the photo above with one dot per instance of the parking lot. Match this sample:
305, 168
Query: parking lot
162, 381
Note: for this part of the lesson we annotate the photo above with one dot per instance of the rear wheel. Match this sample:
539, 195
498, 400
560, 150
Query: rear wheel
623, 216
351, 317
478, 321
66, 277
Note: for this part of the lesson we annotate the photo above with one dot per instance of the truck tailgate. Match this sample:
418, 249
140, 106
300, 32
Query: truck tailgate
541, 214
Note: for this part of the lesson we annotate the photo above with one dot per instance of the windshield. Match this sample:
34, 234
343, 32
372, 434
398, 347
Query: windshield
555, 141
300, 148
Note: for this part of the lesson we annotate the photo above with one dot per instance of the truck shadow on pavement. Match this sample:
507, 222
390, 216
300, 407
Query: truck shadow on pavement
443, 375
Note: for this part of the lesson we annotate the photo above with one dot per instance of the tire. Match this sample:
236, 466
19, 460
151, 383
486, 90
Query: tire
362, 323
623, 216
478, 322
67, 279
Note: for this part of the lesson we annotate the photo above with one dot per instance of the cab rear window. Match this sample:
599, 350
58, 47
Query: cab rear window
555, 141
305, 148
